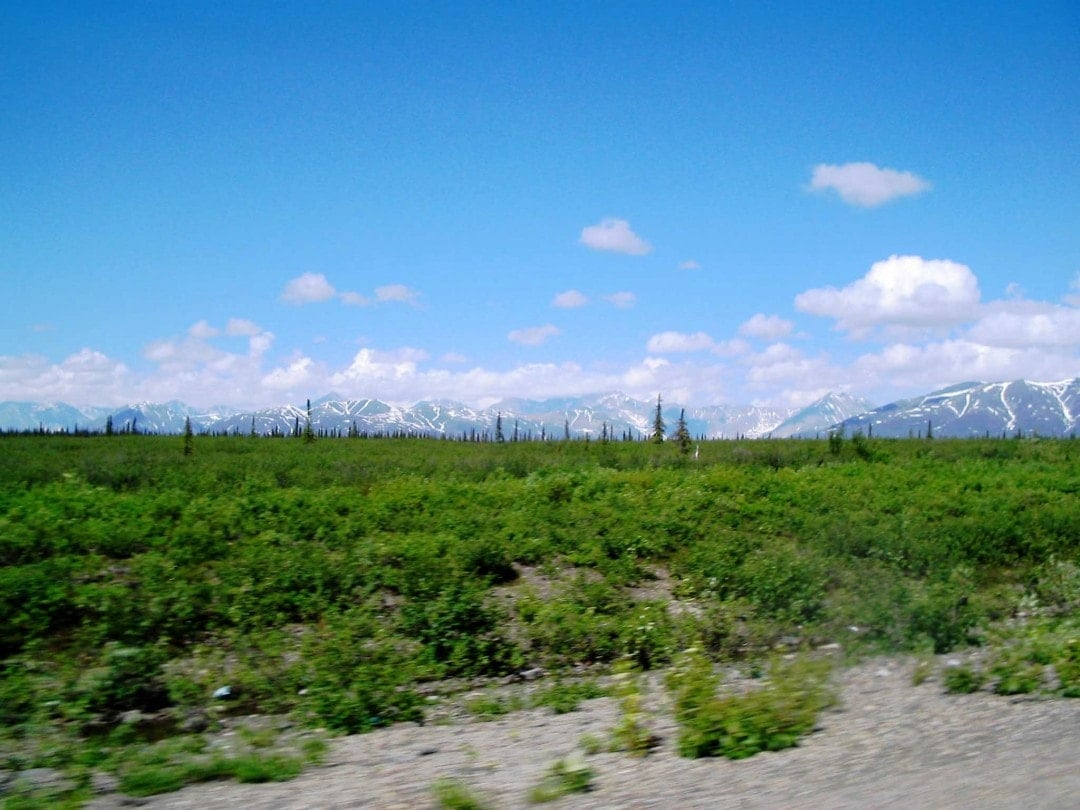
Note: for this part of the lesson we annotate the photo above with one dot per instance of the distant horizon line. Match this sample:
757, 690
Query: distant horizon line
334, 396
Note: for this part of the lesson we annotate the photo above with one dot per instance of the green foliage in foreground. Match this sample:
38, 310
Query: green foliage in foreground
331, 579
1035, 655
565, 776
769, 717
452, 794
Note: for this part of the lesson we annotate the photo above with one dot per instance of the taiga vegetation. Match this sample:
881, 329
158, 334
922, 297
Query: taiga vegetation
333, 579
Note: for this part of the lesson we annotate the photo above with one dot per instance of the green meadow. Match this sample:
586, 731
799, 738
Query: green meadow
335, 580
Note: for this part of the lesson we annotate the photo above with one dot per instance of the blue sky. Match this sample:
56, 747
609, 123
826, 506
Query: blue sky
256, 203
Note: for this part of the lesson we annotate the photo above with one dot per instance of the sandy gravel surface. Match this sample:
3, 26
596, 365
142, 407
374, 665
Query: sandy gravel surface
889, 744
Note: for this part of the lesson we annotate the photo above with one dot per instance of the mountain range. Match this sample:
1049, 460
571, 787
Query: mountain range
978, 409
963, 410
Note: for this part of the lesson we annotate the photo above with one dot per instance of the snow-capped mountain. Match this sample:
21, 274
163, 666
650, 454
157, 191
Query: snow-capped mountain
586, 416
145, 417
968, 409
816, 418
50, 416
979, 409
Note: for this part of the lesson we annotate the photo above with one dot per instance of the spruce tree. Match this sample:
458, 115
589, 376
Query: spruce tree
498, 429
309, 434
682, 435
189, 438
108, 425
658, 423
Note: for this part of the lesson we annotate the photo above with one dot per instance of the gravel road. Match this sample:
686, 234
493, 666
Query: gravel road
888, 744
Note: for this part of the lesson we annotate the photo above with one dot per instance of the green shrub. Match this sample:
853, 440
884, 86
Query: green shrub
361, 678
963, 680
563, 697
565, 776
461, 631
272, 768
769, 717
631, 734
489, 706
451, 794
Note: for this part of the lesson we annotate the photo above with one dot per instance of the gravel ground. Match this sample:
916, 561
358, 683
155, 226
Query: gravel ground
888, 744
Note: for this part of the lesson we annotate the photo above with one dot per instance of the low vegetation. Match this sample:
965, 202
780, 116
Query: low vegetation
152, 585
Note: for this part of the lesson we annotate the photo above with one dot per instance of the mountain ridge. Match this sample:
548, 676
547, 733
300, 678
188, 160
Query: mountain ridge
962, 409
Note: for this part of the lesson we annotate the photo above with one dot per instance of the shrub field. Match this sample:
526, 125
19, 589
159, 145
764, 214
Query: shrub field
334, 579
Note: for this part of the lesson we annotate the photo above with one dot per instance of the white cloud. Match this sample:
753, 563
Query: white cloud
396, 292
865, 184
781, 363
679, 342
291, 376
621, 300
534, 335
203, 331
569, 299
307, 289
259, 344
86, 377
1073, 296
922, 368
689, 264
614, 235
378, 368
766, 327
454, 357
354, 299
242, 327
901, 291
1021, 324
314, 287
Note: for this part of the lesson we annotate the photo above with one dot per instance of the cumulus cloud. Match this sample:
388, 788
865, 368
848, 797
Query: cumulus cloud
85, 377
919, 368
616, 236
679, 342
371, 366
783, 363
534, 335
242, 327
1020, 323
621, 300
766, 327
682, 343
308, 288
396, 292
1073, 296
293, 375
864, 184
311, 288
689, 264
569, 299
260, 343
901, 291
203, 331
354, 299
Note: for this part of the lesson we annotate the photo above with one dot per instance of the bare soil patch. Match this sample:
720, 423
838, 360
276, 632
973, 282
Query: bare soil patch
888, 744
